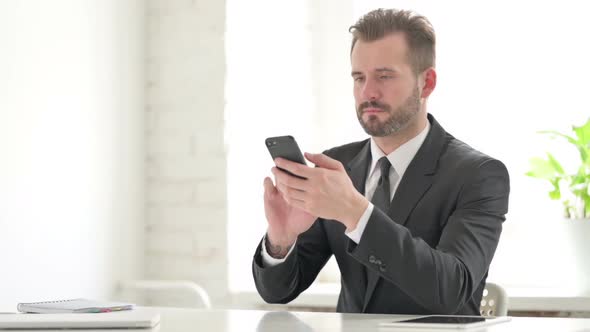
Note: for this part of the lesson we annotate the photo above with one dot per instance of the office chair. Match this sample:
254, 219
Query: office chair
197, 295
494, 301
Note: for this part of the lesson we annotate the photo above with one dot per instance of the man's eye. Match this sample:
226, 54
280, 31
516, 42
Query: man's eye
385, 77
359, 79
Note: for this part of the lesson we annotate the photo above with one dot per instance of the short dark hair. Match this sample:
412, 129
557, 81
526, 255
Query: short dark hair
417, 30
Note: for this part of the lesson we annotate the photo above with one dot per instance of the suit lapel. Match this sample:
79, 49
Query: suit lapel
358, 167
416, 181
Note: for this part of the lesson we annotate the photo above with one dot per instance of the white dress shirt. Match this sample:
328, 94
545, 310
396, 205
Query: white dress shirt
399, 159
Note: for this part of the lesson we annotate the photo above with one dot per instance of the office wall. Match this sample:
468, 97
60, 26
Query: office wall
186, 158
71, 147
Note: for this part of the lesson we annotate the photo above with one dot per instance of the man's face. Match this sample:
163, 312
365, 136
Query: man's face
386, 90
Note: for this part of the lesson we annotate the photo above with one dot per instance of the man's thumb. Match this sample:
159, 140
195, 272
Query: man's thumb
269, 188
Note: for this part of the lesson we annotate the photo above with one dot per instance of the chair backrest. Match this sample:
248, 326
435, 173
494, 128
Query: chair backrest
494, 301
164, 293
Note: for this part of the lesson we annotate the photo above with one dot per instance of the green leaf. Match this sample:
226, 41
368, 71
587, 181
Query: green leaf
584, 152
577, 180
579, 192
542, 169
556, 165
581, 143
556, 133
583, 133
555, 194
580, 177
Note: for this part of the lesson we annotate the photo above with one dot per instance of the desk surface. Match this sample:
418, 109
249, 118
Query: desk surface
520, 299
177, 320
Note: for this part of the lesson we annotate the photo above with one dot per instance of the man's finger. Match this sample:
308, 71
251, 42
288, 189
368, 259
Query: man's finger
289, 180
323, 161
293, 167
281, 188
291, 193
269, 187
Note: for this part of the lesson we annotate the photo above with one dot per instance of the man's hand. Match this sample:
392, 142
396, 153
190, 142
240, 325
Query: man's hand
285, 222
326, 191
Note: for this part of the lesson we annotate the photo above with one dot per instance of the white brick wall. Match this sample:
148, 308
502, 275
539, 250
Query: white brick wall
186, 160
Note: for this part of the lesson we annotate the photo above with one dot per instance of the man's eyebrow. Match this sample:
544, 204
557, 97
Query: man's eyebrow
382, 69
379, 70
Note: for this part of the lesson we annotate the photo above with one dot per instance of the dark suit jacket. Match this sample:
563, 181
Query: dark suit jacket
429, 254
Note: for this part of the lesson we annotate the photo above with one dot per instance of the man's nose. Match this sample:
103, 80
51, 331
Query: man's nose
371, 91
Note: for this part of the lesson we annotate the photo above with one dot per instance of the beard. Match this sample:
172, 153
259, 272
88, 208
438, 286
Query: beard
398, 119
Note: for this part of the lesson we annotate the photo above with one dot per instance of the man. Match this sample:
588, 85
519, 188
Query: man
412, 215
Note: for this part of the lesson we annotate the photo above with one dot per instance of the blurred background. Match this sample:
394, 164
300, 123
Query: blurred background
131, 137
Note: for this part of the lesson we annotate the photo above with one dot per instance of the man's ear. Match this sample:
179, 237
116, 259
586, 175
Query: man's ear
428, 82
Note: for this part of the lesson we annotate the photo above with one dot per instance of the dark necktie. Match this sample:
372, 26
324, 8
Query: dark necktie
382, 195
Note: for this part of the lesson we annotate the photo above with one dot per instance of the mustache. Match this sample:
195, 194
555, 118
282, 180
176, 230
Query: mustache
373, 104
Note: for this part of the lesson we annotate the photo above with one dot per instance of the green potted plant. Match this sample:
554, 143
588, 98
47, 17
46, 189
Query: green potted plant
572, 189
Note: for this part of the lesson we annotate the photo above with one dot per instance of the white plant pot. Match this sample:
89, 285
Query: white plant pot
577, 232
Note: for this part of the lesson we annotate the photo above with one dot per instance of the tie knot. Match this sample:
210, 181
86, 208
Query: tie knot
385, 165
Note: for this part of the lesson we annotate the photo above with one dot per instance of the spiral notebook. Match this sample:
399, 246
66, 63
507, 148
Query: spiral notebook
73, 306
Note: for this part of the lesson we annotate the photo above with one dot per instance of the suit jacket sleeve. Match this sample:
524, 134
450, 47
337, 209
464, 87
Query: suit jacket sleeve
284, 282
442, 279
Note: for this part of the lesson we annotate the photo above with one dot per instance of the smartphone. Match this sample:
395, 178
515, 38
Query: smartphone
285, 147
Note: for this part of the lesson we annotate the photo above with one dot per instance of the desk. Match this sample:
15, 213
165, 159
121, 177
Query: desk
183, 320
324, 297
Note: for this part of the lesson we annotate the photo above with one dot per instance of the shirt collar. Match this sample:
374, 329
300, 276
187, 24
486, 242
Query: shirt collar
401, 157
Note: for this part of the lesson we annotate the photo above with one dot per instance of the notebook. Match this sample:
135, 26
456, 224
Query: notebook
139, 318
72, 306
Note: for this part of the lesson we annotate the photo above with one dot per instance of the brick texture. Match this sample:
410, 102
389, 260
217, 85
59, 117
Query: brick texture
186, 159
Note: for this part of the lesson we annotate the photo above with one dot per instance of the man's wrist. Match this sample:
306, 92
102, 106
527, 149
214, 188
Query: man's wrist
356, 209
277, 249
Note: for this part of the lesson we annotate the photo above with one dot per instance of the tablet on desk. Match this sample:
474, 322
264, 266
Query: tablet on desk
446, 322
